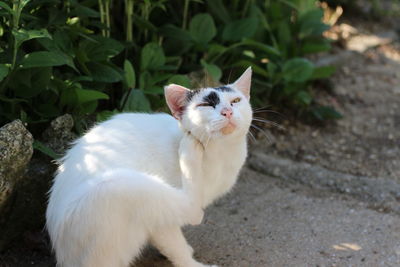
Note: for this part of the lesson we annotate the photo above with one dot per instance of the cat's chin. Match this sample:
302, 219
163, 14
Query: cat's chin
228, 129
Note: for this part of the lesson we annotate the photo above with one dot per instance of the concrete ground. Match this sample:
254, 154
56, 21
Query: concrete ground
267, 221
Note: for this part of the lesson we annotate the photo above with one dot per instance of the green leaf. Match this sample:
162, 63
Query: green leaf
103, 73
101, 48
202, 28
63, 41
43, 59
129, 74
83, 11
88, 107
82, 79
323, 72
269, 50
304, 98
68, 96
45, 149
6, 7
137, 102
325, 113
214, 51
181, 80
152, 57
298, 70
256, 68
145, 80
85, 95
35, 81
311, 23
218, 8
178, 41
213, 70
239, 29
23, 35
171, 31
143, 24
4, 69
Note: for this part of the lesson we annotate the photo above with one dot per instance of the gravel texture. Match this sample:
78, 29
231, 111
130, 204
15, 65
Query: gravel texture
267, 222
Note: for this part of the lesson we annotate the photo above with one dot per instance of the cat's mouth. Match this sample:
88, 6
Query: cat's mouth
228, 128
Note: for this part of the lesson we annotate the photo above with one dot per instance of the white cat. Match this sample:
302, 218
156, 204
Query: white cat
138, 178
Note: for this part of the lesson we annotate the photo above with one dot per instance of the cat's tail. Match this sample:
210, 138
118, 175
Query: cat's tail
107, 219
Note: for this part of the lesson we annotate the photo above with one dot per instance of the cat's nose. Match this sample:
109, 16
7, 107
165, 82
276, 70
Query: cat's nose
227, 112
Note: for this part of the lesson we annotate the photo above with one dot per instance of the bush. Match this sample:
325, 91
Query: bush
82, 57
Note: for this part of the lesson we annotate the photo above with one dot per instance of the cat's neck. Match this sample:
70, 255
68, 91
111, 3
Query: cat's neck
228, 142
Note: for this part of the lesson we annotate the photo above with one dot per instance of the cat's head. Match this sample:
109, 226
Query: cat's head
210, 113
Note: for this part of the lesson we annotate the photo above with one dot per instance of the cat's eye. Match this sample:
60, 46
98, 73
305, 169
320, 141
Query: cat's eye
236, 100
204, 104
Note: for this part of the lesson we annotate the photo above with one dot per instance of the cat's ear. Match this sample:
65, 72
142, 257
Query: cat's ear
176, 96
243, 84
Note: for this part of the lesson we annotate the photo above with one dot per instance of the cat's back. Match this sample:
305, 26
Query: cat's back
144, 142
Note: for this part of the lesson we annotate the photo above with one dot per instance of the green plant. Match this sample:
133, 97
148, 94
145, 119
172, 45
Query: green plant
82, 57
276, 38
55, 69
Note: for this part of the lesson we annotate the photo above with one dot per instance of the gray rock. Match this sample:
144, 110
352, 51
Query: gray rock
15, 152
59, 134
24, 183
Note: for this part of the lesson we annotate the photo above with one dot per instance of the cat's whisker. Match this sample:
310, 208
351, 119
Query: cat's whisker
217, 123
267, 111
277, 125
262, 108
268, 136
252, 136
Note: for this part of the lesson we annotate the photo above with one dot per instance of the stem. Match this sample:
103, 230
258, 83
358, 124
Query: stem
146, 16
267, 26
126, 99
102, 20
108, 21
17, 11
185, 13
129, 13
17, 8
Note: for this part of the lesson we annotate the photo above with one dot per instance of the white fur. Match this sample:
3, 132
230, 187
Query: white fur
139, 178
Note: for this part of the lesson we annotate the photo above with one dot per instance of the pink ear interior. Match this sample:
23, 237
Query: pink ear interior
243, 84
175, 96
